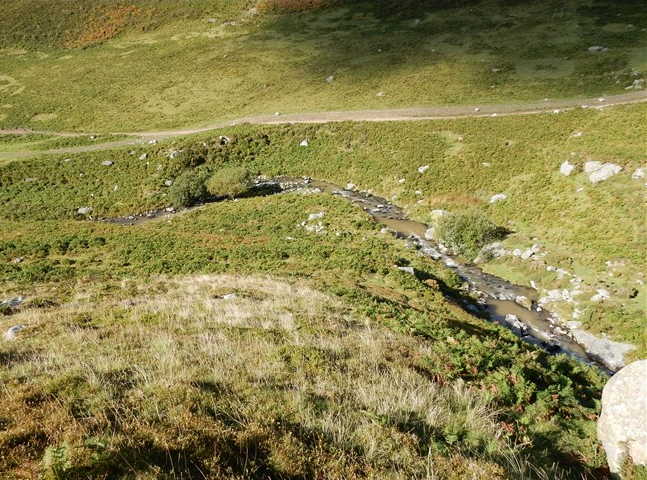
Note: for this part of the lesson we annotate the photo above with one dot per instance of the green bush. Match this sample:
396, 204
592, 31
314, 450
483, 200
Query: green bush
188, 188
468, 232
229, 182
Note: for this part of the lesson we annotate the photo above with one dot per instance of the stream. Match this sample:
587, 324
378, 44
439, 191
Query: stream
500, 298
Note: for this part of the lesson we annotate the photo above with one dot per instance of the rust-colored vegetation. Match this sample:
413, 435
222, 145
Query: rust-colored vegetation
104, 23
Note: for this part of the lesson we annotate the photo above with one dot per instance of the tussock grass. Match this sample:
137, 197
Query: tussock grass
168, 379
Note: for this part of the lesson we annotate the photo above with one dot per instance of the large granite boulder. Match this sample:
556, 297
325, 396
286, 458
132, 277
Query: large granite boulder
622, 427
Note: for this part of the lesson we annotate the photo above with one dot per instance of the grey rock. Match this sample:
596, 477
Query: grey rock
229, 296
11, 333
592, 166
13, 303
84, 210
525, 302
143, 156
610, 353
304, 143
423, 168
622, 424
168, 183
527, 254
597, 48
498, 197
516, 325
604, 172
107, 163
429, 233
566, 168
408, 270
638, 174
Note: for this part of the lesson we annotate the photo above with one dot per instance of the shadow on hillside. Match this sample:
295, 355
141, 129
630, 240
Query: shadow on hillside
477, 43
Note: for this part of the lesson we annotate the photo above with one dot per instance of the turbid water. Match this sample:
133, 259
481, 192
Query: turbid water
499, 298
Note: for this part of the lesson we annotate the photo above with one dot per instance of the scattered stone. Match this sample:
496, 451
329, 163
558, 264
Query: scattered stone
13, 303
229, 296
576, 135
172, 153
566, 168
152, 142
621, 427
408, 270
516, 325
486, 164
418, 192
143, 156
168, 183
597, 48
598, 172
11, 333
490, 252
402, 180
429, 233
498, 197
116, 188
601, 295
29, 179
517, 252
525, 302
380, 94
304, 143
18, 259
636, 85
330, 79
423, 168
106, 163
211, 20
638, 174
84, 210
350, 186
276, 114
496, 70
477, 109
223, 140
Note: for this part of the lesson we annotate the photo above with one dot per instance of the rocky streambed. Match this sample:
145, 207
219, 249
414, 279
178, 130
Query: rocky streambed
514, 306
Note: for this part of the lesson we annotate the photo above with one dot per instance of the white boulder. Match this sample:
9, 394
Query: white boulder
622, 427
598, 172
566, 168
423, 168
498, 197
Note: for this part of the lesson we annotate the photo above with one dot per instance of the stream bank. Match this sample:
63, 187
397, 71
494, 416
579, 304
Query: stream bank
512, 306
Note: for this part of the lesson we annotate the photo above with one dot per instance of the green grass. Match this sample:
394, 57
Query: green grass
141, 371
524, 154
264, 64
41, 142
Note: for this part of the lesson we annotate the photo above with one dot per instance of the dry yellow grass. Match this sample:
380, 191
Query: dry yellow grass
165, 367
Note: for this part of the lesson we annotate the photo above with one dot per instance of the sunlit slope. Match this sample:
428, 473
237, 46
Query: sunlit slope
140, 65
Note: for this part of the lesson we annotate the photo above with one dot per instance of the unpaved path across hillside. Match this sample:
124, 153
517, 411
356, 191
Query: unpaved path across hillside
393, 115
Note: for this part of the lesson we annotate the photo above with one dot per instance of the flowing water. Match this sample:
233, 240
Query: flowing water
500, 298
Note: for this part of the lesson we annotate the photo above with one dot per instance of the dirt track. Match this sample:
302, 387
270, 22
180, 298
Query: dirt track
403, 114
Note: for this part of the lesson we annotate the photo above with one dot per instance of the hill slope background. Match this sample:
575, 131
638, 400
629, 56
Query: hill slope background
232, 342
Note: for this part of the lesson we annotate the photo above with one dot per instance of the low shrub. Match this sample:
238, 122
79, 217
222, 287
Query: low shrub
229, 182
468, 232
189, 188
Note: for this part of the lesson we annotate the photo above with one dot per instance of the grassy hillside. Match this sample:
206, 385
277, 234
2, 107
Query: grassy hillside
561, 213
346, 366
67, 65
